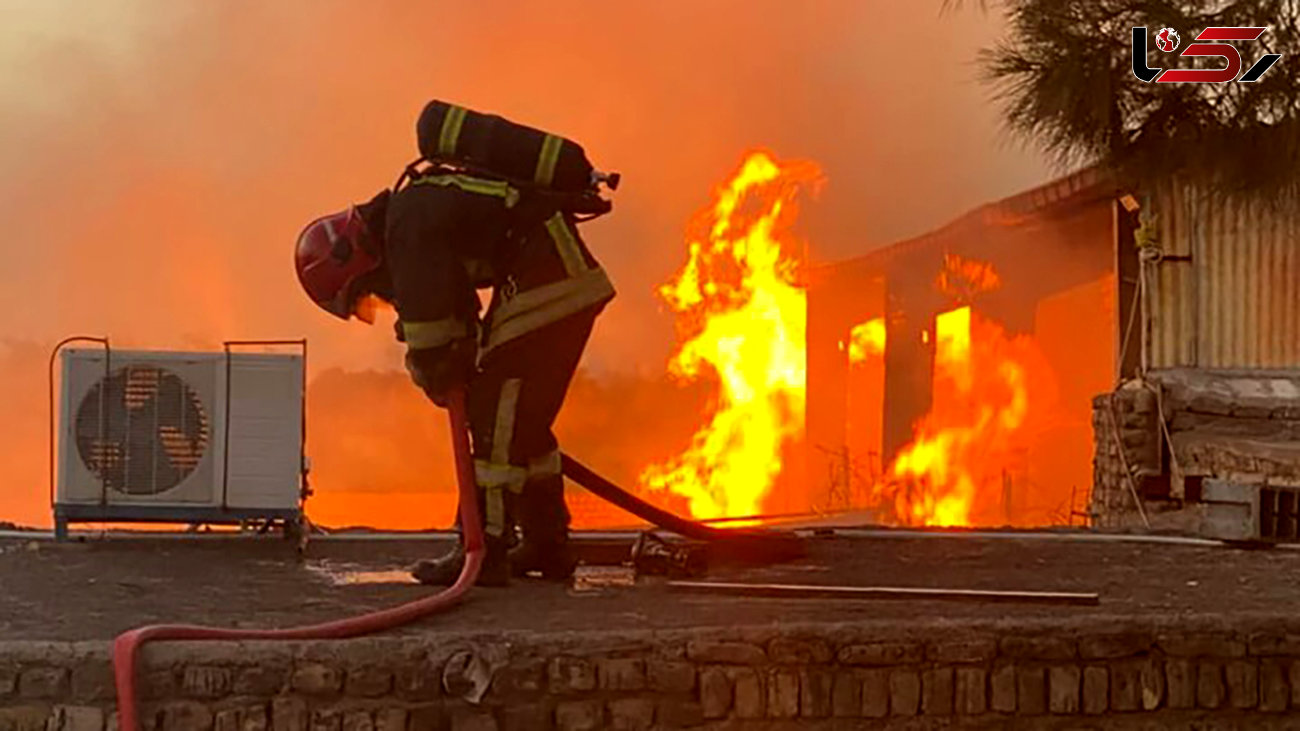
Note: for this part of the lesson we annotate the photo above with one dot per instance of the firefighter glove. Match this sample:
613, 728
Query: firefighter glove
439, 371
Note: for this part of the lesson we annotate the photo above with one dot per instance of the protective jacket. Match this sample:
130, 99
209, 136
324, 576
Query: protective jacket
447, 235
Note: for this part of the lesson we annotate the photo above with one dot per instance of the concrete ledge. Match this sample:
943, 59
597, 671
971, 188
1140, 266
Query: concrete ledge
1104, 671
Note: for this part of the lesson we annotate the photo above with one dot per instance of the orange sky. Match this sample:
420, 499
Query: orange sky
161, 157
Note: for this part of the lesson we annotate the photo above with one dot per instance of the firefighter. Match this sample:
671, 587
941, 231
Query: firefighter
425, 248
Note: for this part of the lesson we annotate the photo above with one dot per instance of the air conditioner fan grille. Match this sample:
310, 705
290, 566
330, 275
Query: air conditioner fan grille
142, 430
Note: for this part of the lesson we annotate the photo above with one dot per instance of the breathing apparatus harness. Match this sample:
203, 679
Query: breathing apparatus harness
584, 205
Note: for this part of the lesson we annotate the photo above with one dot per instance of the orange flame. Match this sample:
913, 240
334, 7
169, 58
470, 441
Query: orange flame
741, 317
955, 470
867, 339
952, 352
964, 278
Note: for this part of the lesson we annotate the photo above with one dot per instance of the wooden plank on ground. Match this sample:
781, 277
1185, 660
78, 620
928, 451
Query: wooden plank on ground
811, 591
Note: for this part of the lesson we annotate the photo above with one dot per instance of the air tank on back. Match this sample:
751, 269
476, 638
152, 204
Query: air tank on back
493, 145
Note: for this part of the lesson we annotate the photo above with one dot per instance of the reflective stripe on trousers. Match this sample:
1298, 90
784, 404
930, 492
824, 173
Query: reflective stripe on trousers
496, 474
547, 465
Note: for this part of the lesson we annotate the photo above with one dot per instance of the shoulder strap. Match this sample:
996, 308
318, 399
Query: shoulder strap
585, 206
470, 184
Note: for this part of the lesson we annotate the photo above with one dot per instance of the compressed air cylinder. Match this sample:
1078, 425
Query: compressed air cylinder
493, 145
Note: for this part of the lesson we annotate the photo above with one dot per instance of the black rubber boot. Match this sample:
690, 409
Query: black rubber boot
552, 560
544, 521
444, 570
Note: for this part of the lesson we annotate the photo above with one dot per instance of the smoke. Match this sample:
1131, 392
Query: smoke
23, 436
397, 472
162, 157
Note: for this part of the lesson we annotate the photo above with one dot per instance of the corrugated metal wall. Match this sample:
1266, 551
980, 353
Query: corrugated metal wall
1227, 292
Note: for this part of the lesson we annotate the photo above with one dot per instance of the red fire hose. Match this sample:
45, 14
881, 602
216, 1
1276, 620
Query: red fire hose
126, 646
758, 545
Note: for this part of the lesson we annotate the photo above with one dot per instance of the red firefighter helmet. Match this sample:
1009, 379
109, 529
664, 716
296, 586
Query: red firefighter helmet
330, 257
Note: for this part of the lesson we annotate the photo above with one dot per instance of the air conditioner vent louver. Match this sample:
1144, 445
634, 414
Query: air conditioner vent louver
142, 430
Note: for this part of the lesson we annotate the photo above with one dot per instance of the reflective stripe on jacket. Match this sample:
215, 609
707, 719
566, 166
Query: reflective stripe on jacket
449, 234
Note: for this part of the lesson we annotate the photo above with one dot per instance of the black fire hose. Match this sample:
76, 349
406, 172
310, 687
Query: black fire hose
747, 544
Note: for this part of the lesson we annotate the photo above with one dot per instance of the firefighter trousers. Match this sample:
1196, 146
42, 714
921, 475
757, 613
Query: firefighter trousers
512, 403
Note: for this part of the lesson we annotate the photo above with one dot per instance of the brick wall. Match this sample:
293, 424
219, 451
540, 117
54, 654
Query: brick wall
1239, 427
1102, 674
1128, 417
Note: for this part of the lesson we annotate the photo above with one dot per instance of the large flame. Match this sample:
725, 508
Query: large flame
866, 340
955, 470
741, 317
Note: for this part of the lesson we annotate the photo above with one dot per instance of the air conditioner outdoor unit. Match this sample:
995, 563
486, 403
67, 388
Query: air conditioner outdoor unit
180, 437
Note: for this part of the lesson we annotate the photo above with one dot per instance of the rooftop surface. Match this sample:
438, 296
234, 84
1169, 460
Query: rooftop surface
95, 589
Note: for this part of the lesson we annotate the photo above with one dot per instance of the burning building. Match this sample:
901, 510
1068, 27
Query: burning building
954, 378
950, 375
